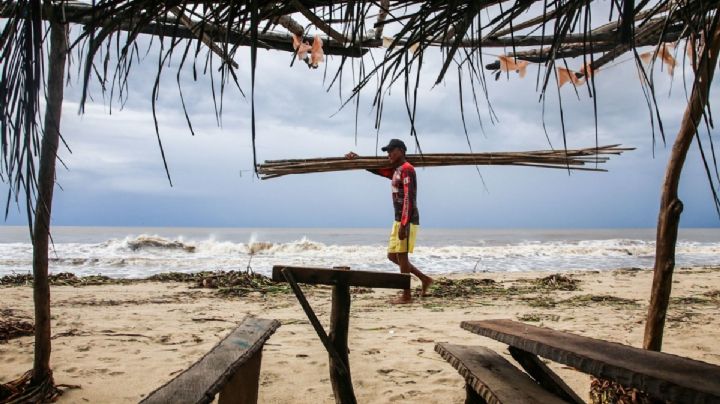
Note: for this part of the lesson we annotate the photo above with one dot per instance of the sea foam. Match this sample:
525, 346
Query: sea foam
142, 255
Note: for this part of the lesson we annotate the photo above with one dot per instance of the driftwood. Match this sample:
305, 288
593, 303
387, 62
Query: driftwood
564, 159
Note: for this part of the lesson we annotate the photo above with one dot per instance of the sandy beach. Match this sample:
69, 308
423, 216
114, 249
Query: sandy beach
119, 342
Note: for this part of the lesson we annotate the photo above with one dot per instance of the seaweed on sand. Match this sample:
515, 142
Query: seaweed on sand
61, 279
237, 283
586, 300
456, 288
557, 282
14, 326
604, 391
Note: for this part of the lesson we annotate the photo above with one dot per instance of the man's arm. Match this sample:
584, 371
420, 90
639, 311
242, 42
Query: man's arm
383, 172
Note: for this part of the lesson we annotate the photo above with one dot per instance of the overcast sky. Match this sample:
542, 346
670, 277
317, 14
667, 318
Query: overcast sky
115, 175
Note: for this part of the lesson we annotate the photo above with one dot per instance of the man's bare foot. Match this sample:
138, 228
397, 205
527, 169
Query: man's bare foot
401, 300
425, 286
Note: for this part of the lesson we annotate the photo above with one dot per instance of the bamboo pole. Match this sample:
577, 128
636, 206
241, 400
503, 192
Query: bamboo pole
670, 205
564, 159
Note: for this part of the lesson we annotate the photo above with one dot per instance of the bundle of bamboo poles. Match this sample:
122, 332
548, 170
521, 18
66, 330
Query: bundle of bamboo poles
565, 159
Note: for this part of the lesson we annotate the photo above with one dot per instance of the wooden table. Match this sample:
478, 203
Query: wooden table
336, 342
661, 375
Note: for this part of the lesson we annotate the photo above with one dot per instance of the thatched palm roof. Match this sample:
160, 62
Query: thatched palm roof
544, 32
537, 31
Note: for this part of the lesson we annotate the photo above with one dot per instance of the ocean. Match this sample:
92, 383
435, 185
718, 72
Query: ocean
136, 252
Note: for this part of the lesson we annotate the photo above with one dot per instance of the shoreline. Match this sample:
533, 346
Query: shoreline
120, 341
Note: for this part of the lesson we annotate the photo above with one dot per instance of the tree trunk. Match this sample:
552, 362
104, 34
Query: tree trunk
670, 205
43, 206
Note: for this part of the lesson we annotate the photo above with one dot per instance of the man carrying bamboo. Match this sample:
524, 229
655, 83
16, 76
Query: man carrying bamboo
407, 219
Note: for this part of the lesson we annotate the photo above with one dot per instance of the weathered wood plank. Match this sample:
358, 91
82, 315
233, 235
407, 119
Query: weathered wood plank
325, 276
206, 377
659, 374
492, 377
544, 375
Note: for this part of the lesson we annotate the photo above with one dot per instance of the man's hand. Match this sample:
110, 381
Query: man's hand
403, 232
351, 155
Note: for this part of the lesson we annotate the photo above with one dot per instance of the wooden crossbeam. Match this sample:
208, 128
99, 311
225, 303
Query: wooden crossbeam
324, 276
80, 13
544, 375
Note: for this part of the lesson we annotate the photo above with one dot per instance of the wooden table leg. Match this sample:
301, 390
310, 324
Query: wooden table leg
339, 323
544, 375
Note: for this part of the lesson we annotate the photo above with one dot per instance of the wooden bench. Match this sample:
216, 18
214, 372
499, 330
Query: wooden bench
490, 378
231, 368
661, 375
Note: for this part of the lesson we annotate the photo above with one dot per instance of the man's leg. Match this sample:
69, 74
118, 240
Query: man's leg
393, 257
405, 268
424, 279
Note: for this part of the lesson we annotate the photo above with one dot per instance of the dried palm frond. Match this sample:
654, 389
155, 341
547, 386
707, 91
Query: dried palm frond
542, 32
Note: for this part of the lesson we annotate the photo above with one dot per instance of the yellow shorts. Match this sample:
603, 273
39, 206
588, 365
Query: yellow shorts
402, 246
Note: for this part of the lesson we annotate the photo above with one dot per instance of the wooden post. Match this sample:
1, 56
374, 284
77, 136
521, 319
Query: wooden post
339, 323
544, 375
670, 205
242, 388
43, 205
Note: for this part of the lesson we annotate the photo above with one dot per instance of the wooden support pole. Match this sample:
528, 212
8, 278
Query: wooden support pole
242, 388
339, 324
315, 322
670, 205
544, 375
471, 397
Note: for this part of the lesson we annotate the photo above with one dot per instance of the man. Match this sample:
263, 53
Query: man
407, 219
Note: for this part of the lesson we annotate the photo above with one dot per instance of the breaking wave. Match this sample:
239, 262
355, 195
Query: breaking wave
145, 255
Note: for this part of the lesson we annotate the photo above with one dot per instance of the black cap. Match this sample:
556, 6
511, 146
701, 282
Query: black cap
395, 144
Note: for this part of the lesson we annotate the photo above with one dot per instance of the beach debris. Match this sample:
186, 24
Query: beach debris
61, 279
538, 317
688, 300
14, 326
603, 391
586, 300
16, 280
557, 282
543, 301
236, 283
444, 287
713, 294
